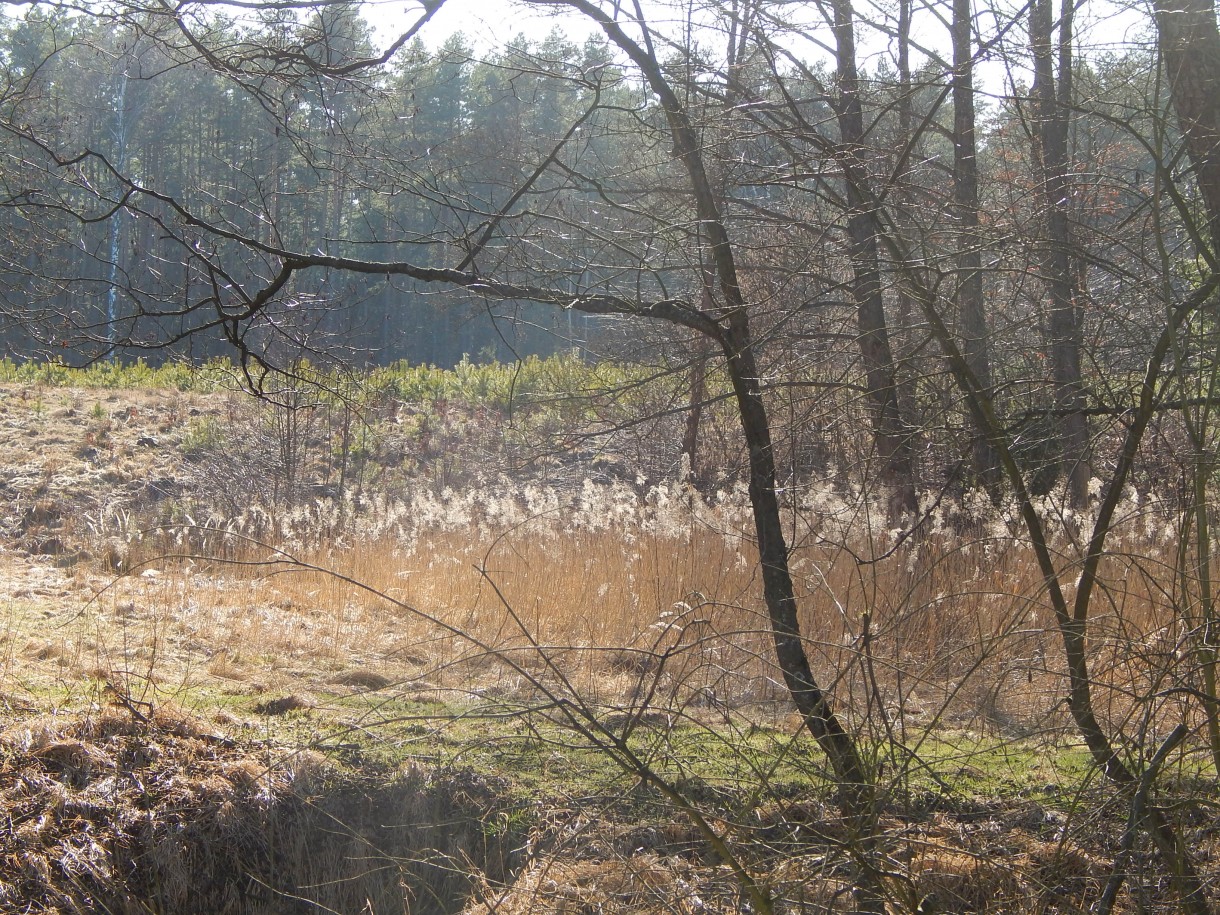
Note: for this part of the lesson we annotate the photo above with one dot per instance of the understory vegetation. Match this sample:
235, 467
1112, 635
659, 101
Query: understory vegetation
352, 648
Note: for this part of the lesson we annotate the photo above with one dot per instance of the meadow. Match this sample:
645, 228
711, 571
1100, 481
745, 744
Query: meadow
261, 639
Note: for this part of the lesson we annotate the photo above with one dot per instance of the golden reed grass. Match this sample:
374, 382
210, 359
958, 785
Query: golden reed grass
658, 596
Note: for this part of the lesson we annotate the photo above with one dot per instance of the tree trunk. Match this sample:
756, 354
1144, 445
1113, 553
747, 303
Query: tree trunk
971, 317
694, 411
1071, 613
854, 783
891, 435
1190, 45
906, 136
1050, 135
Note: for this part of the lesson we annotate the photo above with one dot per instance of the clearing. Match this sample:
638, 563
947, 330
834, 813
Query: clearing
400, 687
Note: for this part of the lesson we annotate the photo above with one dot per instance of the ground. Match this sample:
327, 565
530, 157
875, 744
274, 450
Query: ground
188, 726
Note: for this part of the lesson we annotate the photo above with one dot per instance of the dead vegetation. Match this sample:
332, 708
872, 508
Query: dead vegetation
124, 599
114, 812
110, 813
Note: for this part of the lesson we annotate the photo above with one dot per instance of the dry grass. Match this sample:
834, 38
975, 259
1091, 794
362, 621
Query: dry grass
626, 599
644, 606
121, 813
631, 593
110, 813
939, 866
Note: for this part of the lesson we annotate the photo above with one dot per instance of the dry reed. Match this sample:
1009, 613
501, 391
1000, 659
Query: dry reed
630, 596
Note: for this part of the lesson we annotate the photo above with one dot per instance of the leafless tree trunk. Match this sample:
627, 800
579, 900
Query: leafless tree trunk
972, 318
732, 333
906, 136
891, 434
740, 14
694, 412
1072, 610
1190, 46
1051, 111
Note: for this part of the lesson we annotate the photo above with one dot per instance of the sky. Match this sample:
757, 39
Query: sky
1102, 25
490, 23
485, 23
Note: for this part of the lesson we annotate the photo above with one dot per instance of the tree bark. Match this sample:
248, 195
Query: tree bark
906, 137
1072, 614
694, 410
1190, 46
971, 317
891, 435
1050, 140
854, 782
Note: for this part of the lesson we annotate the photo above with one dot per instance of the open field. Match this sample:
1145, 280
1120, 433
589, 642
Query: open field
524, 694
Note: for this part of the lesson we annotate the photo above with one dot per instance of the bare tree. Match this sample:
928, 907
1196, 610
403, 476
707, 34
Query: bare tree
238, 302
1190, 45
1052, 107
972, 318
544, 225
895, 445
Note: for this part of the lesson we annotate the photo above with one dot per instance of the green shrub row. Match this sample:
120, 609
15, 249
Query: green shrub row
217, 374
557, 381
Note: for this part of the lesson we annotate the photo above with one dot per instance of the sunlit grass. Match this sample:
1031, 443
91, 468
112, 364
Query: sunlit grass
515, 626
622, 600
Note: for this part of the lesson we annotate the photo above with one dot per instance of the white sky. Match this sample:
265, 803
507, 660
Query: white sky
491, 23
486, 23
1102, 26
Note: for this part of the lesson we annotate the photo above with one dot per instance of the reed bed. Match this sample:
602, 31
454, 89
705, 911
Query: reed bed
652, 597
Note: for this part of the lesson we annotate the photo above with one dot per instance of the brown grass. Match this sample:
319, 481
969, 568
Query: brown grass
631, 593
114, 812
625, 600
602, 594
108, 813
940, 866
